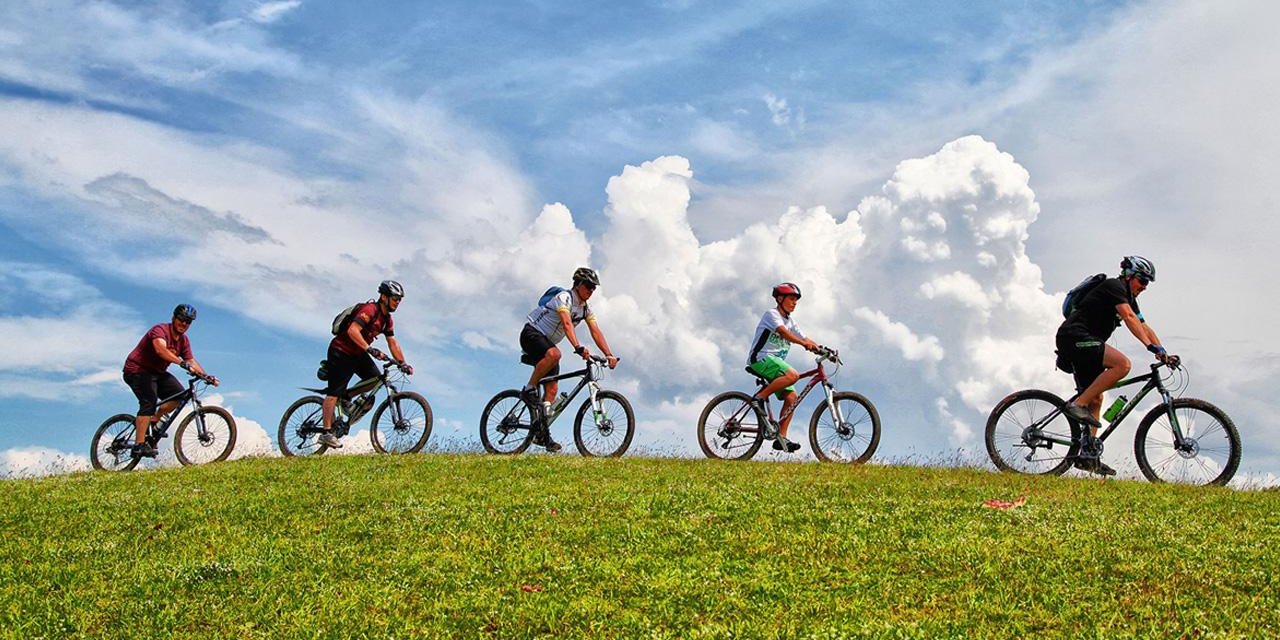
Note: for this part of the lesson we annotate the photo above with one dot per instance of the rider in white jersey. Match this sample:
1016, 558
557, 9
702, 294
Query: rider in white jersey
769, 350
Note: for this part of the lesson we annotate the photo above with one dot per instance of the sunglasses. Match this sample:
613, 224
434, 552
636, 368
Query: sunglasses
1144, 281
396, 298
589, 286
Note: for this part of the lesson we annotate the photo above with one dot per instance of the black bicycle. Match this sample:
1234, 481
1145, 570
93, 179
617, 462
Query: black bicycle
603, 426
401, 424
844, 428
1181, 440
207, 434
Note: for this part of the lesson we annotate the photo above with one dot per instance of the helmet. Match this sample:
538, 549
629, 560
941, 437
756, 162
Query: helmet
787, 289
185, 312
1138, 266
391, 288
587, 275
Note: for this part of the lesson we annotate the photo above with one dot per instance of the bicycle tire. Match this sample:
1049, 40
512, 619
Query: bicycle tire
292, 438
1185, 467
504, 418
115, 452
739, 442
598, 440
412, 432
221, 439
1006, 434
854, 441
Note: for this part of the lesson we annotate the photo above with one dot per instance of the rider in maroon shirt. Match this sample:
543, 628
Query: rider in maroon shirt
146, 371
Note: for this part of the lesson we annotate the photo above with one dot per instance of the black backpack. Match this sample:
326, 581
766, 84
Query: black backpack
1078, 292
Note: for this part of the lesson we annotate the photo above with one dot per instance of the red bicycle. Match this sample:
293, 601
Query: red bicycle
845, 428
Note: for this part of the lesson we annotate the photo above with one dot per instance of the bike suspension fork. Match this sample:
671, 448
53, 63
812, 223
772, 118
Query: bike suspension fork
831, 402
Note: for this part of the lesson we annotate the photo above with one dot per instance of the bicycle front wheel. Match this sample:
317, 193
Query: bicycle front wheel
1208, 454
301, 426
401, 424
213, 443
112, 447
506, 426
731, 427
1028, 433
853, 438
607, 433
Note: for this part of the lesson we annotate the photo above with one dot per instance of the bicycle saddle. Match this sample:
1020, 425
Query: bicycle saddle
759, 381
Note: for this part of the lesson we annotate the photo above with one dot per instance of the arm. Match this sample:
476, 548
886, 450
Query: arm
1141, 330
162, 347
598, 336
394, 346
790, 336
578, 347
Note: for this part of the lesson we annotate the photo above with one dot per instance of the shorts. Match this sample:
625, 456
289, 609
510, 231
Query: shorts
1084, 354
150, 388
342, 366
536, 345
769, 368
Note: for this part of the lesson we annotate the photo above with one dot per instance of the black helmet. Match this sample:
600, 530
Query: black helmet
1138, 266
185, 312
587, 275
391, 288
787, 289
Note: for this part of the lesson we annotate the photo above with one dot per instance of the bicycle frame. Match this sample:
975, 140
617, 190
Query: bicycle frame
589, 377
157, 431
344, 418
819, 377
1153, 382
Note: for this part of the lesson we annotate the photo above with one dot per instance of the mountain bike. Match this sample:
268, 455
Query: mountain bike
1181, 440
401, 424
844, 428
207, 434
602, 428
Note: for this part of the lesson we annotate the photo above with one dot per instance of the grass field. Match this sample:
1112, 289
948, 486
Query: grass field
476, 546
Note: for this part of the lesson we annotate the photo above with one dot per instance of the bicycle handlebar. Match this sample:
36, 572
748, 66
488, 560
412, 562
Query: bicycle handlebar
828, 353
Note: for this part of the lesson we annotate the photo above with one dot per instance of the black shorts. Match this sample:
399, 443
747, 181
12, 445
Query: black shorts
150, 388
536, 345
1084, 353
343, 366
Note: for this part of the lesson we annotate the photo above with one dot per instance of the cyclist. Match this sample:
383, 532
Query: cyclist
351, 351
1082, 342
768, 358
146, 371
557, 313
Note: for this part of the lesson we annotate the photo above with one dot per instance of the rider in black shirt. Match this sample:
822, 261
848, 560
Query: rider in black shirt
1082, 341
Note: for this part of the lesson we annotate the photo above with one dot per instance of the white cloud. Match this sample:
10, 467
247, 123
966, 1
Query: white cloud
35, 462
272, 11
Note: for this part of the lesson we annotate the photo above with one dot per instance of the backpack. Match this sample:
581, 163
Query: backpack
551, 292
1078, 292
343, 318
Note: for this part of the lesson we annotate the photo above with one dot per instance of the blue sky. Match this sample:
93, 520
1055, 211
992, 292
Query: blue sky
271, 162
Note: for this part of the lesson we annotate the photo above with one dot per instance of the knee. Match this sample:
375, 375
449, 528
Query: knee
790, 378
1123, 365
552, 355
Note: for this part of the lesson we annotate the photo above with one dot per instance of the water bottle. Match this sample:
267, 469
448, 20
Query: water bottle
1114, 409
560, 402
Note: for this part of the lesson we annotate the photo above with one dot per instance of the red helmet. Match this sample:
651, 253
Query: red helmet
786, 289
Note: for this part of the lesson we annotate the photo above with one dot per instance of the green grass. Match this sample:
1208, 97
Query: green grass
476, 546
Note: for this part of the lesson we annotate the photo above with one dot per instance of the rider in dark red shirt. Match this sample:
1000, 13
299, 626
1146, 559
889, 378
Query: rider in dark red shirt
351, 351
146, 371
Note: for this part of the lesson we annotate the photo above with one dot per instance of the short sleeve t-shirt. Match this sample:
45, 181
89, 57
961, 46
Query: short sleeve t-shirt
145, 359
546, 318
767, 341
1096, 316
372, 323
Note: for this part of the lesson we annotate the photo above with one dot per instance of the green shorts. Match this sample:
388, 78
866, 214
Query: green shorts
770, 368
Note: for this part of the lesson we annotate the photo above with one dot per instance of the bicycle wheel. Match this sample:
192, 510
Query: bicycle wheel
404, 430
854, 438
1209, 453
301, 426
1018, 431
112, 447
506, 426
609, 433
731, 427
214, 445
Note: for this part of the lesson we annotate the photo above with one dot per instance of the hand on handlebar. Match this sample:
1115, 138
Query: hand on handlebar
1169, 359
405, 368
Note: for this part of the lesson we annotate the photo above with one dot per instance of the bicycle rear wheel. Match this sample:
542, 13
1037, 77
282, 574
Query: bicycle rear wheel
406, 428
609, 433
301, 426
506, 426
112, 446
851, 440
1019, 431
214, 445
731, 427
1208, 455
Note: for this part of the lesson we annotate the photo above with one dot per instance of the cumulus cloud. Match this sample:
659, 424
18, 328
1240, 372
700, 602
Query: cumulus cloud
35, 462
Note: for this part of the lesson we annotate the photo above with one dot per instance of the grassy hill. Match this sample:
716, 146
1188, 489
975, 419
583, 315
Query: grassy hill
476, 546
